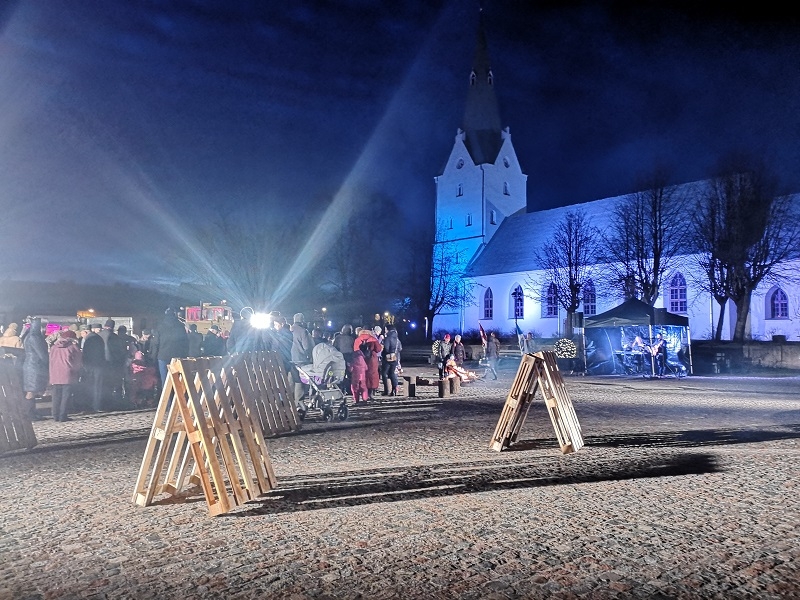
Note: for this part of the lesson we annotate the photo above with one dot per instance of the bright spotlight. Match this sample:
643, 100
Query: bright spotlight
413, 325
260, 320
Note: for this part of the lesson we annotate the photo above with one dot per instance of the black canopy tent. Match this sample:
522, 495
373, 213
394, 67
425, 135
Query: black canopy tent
609, 337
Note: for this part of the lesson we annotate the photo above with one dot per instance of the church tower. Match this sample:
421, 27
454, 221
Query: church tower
482, 182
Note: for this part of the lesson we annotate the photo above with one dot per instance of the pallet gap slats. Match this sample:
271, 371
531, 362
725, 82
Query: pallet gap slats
16, 429
538, 371
210, 427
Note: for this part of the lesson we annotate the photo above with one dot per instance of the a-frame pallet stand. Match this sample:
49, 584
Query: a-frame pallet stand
538, 371
209, 429
16, 429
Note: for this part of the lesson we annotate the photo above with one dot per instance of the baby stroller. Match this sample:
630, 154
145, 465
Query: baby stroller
324, 378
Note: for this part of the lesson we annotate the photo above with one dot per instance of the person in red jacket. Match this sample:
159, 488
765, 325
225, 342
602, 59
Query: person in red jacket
66, 362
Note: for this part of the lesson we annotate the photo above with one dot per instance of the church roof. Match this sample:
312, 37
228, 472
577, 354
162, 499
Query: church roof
513, 247
481, 124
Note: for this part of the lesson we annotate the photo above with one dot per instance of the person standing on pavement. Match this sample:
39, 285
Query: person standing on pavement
390, 356
66, 362
94, 366
195, 339
169, 341
492, 354
115, 361
35, 369
441, 352
459, 352
213, 344
302, 347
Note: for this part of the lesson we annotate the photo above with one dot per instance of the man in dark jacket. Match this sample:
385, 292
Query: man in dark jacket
169, 341
213, 344
94, 366
195, 339
115, 360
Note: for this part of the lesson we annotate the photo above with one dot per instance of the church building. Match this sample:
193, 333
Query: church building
481, 215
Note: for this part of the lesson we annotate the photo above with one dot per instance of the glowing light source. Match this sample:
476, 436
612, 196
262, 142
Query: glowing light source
260, 320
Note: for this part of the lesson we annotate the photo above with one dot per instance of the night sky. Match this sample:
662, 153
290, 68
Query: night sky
125, 127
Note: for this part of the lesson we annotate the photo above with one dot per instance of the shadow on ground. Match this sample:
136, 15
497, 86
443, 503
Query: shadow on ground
355, 488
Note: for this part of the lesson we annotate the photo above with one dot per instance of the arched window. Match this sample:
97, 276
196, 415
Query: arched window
460, 189
778, 307
490, 78
493, 217
589, 299
472, 78
469, 220
518, 302
677, 294
550, 304
488, 304
506, 191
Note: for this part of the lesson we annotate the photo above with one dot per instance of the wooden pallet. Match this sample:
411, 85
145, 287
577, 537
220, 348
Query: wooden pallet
16, 429
538, 371
209, 430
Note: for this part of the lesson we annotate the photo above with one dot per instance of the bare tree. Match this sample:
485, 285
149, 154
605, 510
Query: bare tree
646, 236
745, 231
448, 288
241, 256
568, 259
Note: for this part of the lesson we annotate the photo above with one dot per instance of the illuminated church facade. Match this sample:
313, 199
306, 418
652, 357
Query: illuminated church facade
481, 216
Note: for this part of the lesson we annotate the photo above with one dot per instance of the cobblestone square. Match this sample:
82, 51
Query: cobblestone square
685, 488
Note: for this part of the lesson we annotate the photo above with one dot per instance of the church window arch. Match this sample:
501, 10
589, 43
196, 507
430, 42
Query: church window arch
490, 78
493, 217
450, 223
460, 163
517, 302
777, 304
550, 304
505, 189
473, 78
677, 294
488, 304
460, 189
589, 299
469, 220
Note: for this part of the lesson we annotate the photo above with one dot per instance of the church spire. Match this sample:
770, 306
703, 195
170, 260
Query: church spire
482, 116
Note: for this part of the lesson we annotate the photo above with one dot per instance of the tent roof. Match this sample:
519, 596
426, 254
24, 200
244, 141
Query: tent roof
635, 312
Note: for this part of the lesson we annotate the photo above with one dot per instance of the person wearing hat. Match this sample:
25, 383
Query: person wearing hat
66, 361
441, 351
213, 344
302, 346
10, 337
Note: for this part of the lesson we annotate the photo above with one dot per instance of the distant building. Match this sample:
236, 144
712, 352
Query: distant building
481, 209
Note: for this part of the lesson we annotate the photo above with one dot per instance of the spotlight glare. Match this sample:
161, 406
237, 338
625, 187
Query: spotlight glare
260, 320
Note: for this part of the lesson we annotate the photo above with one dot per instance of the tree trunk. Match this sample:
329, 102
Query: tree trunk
569, 330
721, 320
742, 312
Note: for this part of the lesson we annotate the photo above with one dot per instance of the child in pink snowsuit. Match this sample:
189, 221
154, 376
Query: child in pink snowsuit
358, 377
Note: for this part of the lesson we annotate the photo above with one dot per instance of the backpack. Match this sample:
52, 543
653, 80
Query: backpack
366, 350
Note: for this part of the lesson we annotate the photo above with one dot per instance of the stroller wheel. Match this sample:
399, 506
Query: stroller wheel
327, 415
343, 412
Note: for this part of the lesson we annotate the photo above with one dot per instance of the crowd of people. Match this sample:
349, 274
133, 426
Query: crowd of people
98, 367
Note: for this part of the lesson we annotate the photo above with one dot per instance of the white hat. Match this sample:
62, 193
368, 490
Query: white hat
299, 318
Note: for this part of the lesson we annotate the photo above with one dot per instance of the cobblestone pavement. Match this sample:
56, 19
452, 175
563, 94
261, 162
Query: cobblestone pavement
685, 488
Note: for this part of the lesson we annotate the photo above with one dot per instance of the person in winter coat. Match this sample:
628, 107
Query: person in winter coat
441, 350
358, 377
195, 339
302, 348
94, 366
115, 353
343, 342
213, 344
371, 348
10, 337
390, 358
66, 361
459, 352
169, 342
492, 354
35, 369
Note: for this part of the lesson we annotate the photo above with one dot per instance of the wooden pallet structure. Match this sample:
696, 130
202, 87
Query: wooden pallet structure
538, 371
16, 429
210, 427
